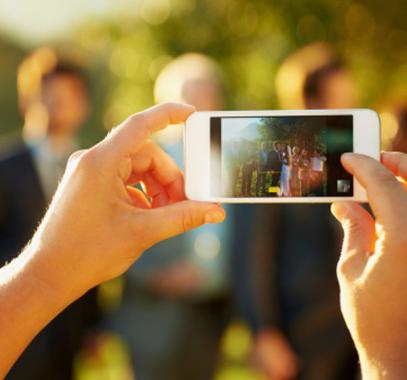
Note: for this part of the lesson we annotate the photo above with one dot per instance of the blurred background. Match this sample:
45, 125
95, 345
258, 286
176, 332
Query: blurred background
103, 60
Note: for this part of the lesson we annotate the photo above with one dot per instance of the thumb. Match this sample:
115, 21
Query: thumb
177, 218
359, 237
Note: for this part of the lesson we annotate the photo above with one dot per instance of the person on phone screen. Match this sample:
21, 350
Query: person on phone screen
304, 173
317, 172
290, 299
295, 164
275, 164
284, 188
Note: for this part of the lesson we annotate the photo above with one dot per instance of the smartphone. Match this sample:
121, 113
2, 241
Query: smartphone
276, 156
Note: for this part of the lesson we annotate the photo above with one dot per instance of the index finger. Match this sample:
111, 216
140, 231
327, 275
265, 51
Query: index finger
137, 129
385, 194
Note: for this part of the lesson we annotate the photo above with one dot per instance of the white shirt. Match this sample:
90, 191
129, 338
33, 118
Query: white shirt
49, 163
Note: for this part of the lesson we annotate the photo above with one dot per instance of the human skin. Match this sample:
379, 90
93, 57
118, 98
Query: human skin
372, 267
97, 226
274, 356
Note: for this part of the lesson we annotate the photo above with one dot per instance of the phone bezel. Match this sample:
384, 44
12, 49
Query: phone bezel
366, 140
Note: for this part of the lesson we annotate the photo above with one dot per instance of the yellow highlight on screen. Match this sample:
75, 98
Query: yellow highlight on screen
273, 189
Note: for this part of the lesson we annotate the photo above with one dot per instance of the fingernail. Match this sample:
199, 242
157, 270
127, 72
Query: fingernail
214, 216
347, 156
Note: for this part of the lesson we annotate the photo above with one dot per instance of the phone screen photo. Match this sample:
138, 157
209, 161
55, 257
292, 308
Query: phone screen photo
280, 156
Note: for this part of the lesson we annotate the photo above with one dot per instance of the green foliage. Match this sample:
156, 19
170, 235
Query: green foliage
248, 38
304, 133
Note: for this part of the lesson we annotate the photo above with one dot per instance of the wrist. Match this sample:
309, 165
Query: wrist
51, 275
30, 296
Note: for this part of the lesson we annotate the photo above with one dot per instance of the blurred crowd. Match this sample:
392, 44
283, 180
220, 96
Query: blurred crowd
270, 267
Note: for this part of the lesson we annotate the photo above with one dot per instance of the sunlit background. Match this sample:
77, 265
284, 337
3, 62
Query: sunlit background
123, 45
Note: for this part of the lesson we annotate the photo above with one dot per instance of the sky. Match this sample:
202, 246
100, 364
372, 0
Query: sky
231, 127
33, 22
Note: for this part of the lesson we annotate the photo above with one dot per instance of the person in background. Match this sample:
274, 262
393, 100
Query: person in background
54, 102
176, 299
317, 172
291, 295
399, 142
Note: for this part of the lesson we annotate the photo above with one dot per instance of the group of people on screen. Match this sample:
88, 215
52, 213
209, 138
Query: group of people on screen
280, 169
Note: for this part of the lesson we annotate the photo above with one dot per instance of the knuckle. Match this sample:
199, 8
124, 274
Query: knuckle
344, 268
188, 221
75, 156
87, 160
136, 118
386, 178
168, 106
350, 265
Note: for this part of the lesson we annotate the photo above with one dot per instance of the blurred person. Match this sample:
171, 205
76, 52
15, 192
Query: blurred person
54, 102
96, 226
399, 141
176, 298
291, 295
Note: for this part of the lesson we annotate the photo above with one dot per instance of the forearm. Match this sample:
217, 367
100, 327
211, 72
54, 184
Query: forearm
30, 296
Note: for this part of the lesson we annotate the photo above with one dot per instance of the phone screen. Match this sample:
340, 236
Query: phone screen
280, 156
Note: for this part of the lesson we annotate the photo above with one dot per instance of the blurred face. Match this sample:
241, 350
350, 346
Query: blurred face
338, 91
66, 99
204, 95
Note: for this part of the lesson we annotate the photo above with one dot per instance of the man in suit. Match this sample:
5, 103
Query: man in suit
288, 290
275, 164
29, 175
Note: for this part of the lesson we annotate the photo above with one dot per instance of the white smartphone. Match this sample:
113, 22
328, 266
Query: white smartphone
276, 156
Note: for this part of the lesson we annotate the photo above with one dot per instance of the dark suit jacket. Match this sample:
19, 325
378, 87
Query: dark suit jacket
274, 161
22, 205
285, 278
